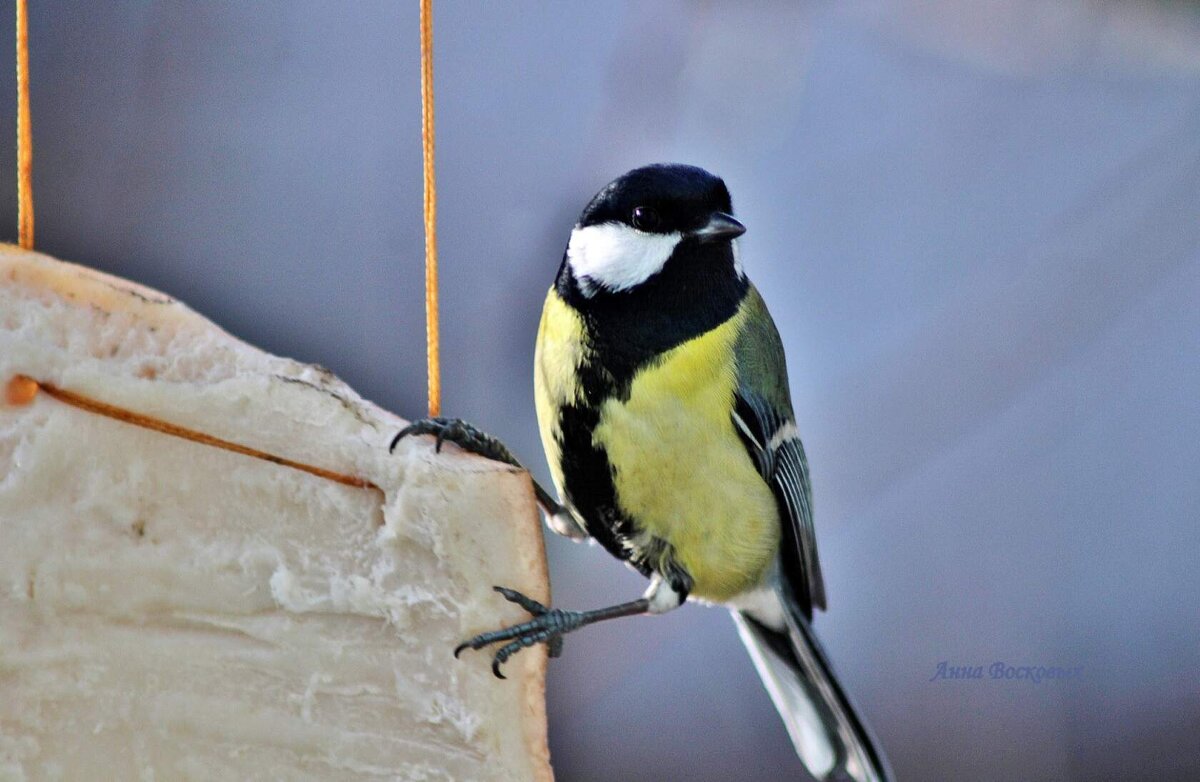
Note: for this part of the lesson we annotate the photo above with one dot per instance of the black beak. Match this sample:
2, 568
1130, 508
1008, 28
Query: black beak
719, 226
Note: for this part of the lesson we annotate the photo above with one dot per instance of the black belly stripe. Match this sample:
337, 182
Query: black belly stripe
587, 472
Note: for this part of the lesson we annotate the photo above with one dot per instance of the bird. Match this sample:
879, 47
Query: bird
662, 400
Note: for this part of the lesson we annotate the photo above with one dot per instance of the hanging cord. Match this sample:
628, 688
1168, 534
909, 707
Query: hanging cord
432, 353
24, 133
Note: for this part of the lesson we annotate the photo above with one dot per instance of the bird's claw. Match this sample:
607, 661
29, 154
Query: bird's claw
528, 603
462, 434
547, 626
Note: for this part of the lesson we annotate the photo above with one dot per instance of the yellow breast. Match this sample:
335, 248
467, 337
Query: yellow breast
683, 474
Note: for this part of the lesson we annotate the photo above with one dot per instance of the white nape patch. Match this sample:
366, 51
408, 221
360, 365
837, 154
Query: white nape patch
616, 256
786, 432
661, 596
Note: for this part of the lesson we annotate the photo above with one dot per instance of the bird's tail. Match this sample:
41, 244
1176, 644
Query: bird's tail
833, 742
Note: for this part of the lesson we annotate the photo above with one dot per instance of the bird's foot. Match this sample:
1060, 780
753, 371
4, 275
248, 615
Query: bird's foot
460, 433
483, 444
548, 626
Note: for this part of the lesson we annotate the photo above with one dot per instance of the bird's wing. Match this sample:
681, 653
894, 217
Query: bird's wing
764, 419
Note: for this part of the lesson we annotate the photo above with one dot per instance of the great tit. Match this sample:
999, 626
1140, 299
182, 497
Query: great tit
663, 403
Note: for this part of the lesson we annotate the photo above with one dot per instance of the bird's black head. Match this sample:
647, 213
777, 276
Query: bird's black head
661, 199
639, 222
653, 261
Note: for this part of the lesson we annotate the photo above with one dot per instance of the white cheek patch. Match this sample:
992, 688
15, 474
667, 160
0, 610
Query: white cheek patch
617, 257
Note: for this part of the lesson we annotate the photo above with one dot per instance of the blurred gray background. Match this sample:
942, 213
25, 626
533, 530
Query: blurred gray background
976, 225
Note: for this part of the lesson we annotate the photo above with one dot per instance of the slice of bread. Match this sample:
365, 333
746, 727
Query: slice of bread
172, 610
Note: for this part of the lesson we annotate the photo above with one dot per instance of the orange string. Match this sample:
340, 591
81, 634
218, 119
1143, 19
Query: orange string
24, 133
22, 390
432, 353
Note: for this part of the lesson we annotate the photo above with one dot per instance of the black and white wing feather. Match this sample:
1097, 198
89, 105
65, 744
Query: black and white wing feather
763, 416
774, 444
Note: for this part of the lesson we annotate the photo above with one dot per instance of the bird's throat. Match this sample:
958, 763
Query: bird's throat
698, 289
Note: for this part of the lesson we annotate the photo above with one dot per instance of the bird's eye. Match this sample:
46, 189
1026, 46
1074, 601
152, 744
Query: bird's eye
645, 219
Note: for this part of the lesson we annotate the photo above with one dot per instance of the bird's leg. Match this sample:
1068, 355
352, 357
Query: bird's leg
549, 625
467, 437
